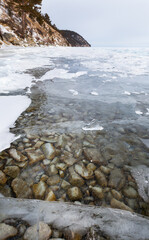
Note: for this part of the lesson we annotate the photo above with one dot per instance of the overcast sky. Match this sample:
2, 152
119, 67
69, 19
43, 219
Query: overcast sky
103, 22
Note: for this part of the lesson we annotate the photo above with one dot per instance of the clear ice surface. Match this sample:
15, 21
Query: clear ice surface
117, 224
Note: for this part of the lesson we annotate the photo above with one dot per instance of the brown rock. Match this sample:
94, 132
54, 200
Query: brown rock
43, 233
74, 194
68, 159
101, 179
65, 185
61, 166
12, 171
116, 194
5, 190
17, 155
130, 192
93, 154
105, 170
21, 189
7, 231
53, 180
50, 196
39, 190
52, 170
116, 179
48, 150
120, 205
91, 166
34, 155
3, 178
75, 179
97, 192
83, 171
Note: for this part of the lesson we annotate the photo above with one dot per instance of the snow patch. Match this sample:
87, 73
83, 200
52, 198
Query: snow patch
127, 93
94, 93
10, 109
139, 112
74, 92
61, 73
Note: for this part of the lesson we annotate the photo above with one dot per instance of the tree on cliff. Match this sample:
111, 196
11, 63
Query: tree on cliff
23, 7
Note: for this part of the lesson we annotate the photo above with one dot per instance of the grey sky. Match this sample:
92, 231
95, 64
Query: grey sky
103, 22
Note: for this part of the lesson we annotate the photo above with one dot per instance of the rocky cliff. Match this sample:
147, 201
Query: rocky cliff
36, 32
74, 39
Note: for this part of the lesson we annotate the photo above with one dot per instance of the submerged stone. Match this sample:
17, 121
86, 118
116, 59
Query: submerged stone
120, 205
12, 171
93, 154
83, 171
74, 193
17, 155
75, 179
39, 190
101, 179
3, 178
41, 232
53, 180
116, 194
52, 170
48, 150
116, 179
21, 188
130, 192
97, 192
50, 196
7, 231
65, 185
34, 155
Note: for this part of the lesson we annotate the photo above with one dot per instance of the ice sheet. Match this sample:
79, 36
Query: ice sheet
117, 224
10, 109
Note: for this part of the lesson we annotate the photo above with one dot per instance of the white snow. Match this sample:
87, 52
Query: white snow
61, 73
139, 112
10, 109
94, 93
74, 92
127, 93
95, 128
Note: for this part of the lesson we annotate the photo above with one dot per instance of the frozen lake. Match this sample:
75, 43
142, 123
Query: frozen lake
84, 125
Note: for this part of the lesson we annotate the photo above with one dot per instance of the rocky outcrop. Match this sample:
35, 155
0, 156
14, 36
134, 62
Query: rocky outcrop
74, 39
36, 32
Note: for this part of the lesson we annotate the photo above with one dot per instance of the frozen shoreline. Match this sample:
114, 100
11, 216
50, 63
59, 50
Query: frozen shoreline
10, 108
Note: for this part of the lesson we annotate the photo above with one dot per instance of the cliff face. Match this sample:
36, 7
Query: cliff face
35, 32
74, 39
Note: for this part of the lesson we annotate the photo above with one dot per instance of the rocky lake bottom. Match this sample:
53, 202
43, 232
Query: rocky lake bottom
96, 168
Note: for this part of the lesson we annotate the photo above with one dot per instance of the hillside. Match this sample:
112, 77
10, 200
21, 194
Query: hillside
74, 39
38, 30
